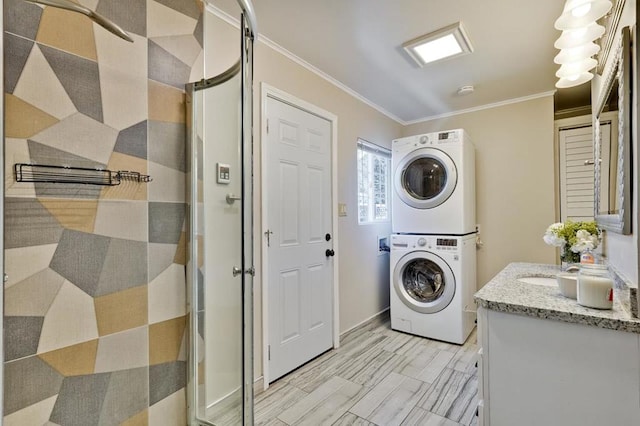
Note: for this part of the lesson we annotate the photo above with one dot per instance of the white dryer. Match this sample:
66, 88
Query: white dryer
433, 279
434, 184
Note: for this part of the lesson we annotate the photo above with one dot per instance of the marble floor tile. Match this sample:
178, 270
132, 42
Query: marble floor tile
389, 402
421, 417
453, 395
378, 377
324, 405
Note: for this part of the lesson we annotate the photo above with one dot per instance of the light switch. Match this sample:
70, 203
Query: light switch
342, 209
223, 171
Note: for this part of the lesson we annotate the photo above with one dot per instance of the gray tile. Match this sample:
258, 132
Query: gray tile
350, 419
133, 140
45, 155
28, 223
80, 400
125, 266
186, 7
80, 78
166, 68
166, 379
278, 398
126, 395
325, 405
167, 142
131, 18
198, 33
160, 258
30, 380
391, 400
165, 222
22, 18
21, 336
453, 395
79, 258
34, 295
16, 53
420, 417
369, 369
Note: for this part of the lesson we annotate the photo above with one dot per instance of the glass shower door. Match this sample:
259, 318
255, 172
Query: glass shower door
221, 247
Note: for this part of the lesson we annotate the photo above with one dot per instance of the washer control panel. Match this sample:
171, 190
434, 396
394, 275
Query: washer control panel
427, 242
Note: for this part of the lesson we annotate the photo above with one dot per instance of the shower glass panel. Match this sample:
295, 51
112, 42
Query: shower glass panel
221, 246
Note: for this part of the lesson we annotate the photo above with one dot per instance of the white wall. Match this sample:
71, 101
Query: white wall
515, 195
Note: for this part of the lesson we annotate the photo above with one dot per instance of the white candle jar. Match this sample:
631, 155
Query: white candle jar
595, 287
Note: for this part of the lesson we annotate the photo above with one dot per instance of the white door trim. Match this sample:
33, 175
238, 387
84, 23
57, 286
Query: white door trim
268, 91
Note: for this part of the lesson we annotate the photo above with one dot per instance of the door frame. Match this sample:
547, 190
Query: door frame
268, 91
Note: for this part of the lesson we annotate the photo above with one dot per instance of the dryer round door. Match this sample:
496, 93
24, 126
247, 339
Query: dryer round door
425, 178
424, 282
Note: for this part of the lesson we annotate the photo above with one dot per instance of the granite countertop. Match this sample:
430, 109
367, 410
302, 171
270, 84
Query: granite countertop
505, 293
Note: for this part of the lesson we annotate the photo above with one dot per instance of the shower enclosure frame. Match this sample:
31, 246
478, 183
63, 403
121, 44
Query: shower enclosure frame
244, 66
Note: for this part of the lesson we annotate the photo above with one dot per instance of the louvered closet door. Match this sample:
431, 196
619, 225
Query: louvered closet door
576, 177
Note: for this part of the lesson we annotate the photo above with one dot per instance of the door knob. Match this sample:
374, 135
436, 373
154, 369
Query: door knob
329, 253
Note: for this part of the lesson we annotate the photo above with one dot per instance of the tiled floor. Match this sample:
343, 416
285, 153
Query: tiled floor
378, 377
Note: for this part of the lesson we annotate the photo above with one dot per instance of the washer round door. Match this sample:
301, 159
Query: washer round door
425, 178
424, 282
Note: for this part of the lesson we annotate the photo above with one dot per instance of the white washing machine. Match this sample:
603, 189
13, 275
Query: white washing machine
433, 279
434, 184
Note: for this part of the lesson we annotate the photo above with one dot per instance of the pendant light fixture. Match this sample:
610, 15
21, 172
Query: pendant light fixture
576, 44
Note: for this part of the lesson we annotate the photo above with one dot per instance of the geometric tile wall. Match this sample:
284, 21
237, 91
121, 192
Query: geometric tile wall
95, 315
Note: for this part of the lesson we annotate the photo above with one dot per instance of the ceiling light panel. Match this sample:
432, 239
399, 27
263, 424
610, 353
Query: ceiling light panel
446, 43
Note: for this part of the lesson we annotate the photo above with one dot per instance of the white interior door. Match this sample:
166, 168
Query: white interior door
300, 259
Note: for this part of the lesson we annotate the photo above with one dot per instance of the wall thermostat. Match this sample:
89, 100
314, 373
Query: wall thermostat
223, 173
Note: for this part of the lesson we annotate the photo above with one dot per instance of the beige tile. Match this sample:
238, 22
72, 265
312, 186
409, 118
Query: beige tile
71, 320
122, 219
197, 70
140, 419
164, 21
67, 31
171, 411
126, 190
123, 80
181, 252
39, 86
36, 414
23, 262
165, 339
33, 296
420, 417
168, 184
167, 295
79, 215
166, 103
75, 360
123, 351
122, 310
23, 120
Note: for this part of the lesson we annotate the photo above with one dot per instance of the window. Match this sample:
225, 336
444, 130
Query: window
374, 167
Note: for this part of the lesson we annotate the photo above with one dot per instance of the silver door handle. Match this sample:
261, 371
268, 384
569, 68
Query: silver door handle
232, 199
237, 271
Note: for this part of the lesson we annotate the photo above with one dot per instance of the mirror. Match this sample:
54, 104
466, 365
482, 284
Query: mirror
612, 138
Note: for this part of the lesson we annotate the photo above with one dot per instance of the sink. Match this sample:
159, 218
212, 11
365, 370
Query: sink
548, 281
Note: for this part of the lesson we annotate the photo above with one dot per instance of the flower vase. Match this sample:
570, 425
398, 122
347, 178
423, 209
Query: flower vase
569, 259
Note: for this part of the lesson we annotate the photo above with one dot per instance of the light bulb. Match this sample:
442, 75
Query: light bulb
573, 77
578, 34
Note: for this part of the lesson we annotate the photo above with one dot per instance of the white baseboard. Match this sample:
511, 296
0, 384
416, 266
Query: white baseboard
365, 321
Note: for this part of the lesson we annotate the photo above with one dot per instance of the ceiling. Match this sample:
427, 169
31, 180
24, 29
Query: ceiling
358, 43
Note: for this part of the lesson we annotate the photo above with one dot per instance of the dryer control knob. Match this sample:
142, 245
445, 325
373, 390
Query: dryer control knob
422, 242
423, 140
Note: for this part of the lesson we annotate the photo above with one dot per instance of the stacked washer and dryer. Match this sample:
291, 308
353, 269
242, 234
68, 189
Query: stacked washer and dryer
433, 245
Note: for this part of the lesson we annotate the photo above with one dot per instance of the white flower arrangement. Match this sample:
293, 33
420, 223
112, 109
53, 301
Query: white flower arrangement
573, 238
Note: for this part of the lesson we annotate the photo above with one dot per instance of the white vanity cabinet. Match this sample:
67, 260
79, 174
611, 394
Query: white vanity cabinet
535, 371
